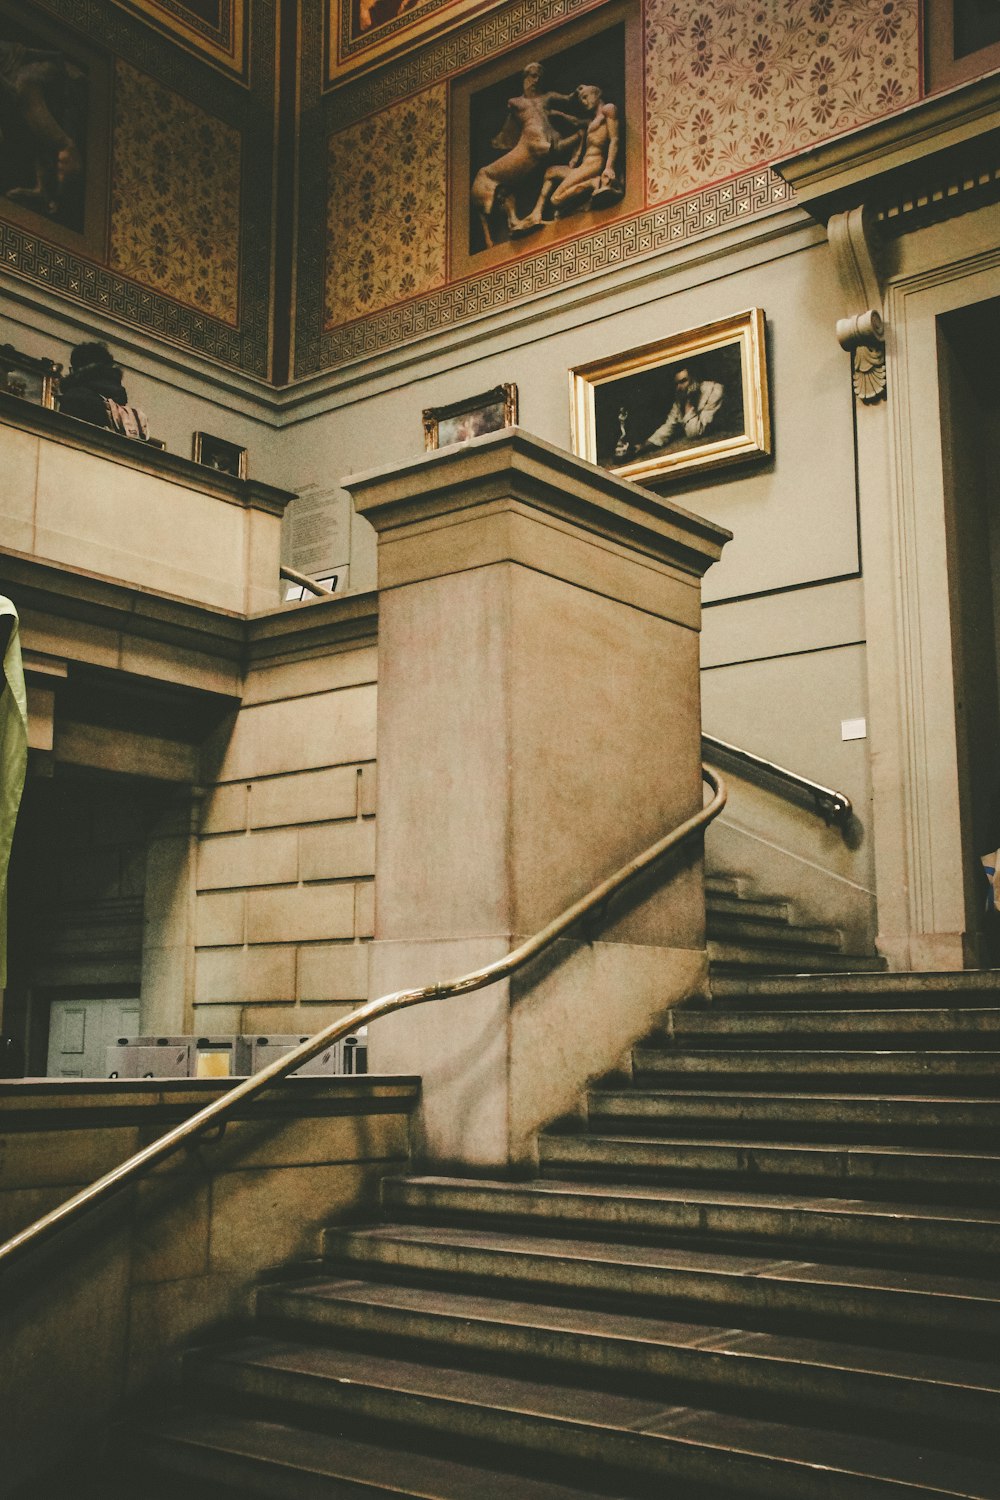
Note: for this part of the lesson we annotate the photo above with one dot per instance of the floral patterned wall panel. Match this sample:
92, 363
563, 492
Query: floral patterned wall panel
175, 207
177, 248
385, 225
730, 86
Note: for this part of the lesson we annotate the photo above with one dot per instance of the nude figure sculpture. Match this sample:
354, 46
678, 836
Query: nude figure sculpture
591, 179
530, 142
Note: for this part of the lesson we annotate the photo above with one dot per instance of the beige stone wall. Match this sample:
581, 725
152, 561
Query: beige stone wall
108, 1306
286, 854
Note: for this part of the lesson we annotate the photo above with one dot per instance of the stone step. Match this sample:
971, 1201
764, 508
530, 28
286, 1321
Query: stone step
754, 1290
838, 1169
741, 927
725, 884
926, 1231
246, 1456
958, 1400
975, 987
686, 1025
926, 1071
728, 957
899, 1118
769, 909
607, 1434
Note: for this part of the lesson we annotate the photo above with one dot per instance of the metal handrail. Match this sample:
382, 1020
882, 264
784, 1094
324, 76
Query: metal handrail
303, 580
214, 1115
833, 807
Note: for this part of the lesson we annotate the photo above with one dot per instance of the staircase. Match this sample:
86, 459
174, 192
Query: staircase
749, 930
766, 1265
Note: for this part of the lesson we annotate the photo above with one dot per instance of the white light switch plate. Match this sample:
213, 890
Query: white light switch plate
853, 729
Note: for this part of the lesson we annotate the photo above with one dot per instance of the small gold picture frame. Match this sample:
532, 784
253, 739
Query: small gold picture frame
694, 401
463, 420
216, 453
35, 380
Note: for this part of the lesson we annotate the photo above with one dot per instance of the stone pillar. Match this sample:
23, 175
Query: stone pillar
538, 725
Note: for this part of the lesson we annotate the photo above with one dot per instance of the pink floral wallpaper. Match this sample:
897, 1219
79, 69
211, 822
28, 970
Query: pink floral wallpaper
386, 230
175, 220
731, 84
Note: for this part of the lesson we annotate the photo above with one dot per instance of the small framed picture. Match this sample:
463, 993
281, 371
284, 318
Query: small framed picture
693, 401
35, 380
216, 453
471, 418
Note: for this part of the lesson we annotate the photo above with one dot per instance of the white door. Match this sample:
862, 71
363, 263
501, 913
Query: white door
80, 1031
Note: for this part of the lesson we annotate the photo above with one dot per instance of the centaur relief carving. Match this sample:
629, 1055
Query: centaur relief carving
559, 155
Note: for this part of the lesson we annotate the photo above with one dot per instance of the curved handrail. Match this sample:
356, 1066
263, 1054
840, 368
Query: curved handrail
214, 1115
833, 807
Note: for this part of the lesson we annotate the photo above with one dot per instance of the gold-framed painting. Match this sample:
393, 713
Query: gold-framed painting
218, 31
690, 402
364, 34
219, 454
473, 417
35, 380
546, 140
55, 128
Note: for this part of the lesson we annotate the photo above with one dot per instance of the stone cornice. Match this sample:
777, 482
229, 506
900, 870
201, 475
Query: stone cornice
311, 627
926, 156
514, 466
231, 642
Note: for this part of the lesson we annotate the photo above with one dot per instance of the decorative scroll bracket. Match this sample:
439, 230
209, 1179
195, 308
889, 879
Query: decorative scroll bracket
863, 332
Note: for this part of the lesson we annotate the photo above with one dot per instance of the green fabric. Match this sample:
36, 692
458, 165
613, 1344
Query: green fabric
13, 759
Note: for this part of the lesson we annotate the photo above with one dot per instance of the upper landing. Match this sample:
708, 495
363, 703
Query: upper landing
88, 500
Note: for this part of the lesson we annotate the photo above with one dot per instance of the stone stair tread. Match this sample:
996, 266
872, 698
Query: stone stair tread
761, 1143
602, 1325
649, 1092
370, 1467
847, 1061
758, 908
684, 1021
626, 1254
731, 953
552, 1191
839, 1165
773, 931
577, 1420
911, 984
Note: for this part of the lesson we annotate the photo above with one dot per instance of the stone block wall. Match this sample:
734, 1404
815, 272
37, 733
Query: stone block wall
286, 851
109, 1306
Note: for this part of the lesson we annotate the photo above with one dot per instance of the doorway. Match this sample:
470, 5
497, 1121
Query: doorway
970, 421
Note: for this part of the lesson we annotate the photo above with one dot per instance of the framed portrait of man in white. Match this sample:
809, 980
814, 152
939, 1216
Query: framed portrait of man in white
693, 401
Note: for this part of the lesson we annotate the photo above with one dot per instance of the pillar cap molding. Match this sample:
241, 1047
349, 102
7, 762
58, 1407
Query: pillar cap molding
516, 469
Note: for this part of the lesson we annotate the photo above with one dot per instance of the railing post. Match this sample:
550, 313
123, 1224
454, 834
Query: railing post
538, 724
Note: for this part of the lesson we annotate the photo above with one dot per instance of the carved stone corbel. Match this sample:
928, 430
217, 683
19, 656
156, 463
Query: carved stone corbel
863, 332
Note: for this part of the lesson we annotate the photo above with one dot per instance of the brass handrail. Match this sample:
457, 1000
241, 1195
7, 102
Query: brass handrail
129, 1171
833, 807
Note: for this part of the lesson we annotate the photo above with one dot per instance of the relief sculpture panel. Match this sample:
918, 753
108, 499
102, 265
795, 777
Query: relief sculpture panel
551, 148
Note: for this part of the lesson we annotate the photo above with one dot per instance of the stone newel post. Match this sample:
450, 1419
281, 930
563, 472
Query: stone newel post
538, 725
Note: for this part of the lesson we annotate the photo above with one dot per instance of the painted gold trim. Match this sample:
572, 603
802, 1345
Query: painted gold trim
348, 55
226, 49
